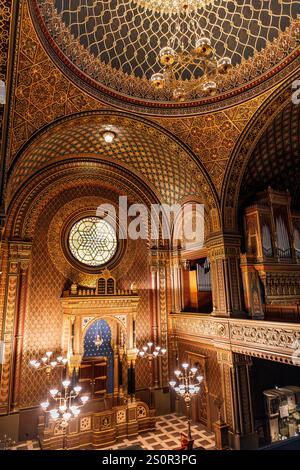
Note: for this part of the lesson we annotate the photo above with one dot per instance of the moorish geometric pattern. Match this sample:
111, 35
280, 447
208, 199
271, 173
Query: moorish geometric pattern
117, 43
275, 161
101, 328
58, 97
92, 241
155, 156
43, 331
167, 435
5, 17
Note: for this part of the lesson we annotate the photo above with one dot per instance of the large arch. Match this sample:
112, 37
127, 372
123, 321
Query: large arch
244, 149
144, 148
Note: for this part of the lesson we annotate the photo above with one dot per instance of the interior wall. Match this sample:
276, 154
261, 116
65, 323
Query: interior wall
207, 411
43, 323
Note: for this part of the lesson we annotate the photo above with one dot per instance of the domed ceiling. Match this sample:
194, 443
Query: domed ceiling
112, 47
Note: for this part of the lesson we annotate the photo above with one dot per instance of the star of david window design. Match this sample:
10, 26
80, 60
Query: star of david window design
93, 241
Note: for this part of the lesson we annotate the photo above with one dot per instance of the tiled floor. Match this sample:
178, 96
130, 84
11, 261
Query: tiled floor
165, 437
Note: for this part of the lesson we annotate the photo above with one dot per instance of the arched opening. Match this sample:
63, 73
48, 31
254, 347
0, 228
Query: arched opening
269, 221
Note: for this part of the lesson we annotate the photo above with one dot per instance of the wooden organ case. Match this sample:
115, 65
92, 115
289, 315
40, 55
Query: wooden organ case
271, 264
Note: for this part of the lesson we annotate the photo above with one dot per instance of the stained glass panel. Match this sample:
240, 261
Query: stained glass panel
93, 241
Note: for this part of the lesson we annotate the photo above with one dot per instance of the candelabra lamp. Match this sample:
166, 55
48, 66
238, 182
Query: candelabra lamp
187, 385
48, 362
151, 353
65, 405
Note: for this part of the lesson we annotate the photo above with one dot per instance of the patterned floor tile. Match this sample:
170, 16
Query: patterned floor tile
166, 436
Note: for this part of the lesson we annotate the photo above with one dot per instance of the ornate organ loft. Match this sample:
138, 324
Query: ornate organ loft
271, 264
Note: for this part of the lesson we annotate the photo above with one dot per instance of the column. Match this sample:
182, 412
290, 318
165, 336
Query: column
238, 412
159, 291
15, 297
176, 282
224, 255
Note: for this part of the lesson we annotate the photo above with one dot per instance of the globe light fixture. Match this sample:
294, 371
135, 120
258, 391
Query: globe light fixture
187, 385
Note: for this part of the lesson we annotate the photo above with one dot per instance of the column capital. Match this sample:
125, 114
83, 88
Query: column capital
19, 251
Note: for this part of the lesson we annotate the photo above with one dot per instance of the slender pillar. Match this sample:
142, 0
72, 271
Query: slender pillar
159, 288
238, 412
224, 255
13, 323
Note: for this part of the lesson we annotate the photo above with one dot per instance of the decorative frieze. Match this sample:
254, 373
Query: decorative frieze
255, 338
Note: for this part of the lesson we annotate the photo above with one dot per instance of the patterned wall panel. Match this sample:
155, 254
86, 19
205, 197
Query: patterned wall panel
213, 375
43, 324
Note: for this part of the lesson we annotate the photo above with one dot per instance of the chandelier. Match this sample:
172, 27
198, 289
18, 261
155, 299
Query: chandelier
64, 405
189, 65
48, 362
187, 385
173, 6
151, 353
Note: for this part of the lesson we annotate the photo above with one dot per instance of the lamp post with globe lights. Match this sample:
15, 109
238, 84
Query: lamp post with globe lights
63, 406
151, 352
187, 385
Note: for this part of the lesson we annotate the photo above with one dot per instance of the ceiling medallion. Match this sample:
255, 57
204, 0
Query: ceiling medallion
189, 65
173, 6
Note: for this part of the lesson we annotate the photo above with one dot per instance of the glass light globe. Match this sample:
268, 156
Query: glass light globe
67, 416
155, 353
141, 353
150, 344
54, 414
158, 80
63, 407
185, 365
210, 88
37, 365
224, 64
193, 370
203, 47
77, 389
49, 353
158, 348
167, 56
145, 348
44, 359
109, 136
53, 392
84, 399
199, 378
65, 360
59, 358
32, 362
172, 383
163, 351
53, 364
177, 373
45, 405
76, 411
66, 383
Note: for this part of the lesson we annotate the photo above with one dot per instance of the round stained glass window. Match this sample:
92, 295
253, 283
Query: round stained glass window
93, 241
